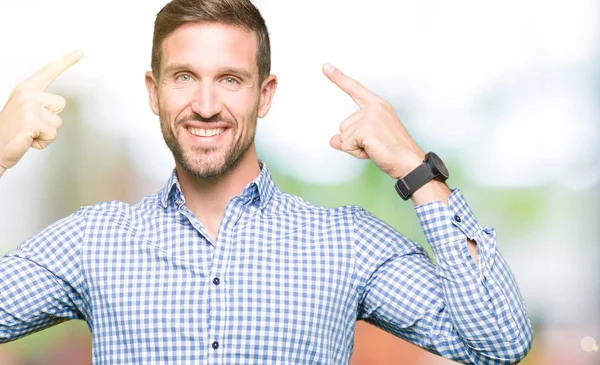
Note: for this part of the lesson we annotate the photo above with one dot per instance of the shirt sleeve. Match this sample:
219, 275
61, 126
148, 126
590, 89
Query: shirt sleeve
472, 314
41, 282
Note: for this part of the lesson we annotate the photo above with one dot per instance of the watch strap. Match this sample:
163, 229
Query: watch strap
418, 177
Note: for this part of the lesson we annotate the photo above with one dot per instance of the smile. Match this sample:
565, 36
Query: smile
206, 132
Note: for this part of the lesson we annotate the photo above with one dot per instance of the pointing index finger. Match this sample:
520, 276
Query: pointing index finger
355, 89
44, 77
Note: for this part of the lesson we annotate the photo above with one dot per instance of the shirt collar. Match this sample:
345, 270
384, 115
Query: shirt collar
171, 188
261, 188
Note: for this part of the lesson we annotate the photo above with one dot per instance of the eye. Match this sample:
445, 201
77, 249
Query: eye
183, 77
230, 80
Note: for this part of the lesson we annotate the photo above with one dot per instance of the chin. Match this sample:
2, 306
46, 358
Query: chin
211, 163
205, 167
204, 170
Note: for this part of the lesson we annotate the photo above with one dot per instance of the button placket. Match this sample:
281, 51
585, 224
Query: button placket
218, 293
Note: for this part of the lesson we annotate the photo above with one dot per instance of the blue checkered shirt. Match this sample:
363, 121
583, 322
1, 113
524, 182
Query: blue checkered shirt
284, 282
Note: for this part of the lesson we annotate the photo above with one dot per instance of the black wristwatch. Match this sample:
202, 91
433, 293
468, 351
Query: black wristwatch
431, 168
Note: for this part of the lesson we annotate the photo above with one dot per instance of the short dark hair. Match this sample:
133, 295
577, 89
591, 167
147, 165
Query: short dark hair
240, 13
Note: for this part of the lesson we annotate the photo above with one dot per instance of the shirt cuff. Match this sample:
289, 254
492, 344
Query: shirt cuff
442, 224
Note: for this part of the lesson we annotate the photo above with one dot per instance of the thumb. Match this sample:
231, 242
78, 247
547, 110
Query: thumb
336, 142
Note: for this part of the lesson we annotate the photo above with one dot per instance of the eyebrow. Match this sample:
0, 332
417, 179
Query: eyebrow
244, 73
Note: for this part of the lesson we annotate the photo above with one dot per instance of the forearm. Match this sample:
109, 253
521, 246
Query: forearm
438, 191
467, 313
483, 301
446, 311
432, 191
485, 307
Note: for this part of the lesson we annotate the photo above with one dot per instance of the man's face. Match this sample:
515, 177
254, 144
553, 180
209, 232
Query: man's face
208, 96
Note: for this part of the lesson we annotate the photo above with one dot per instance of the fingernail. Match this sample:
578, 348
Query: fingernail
328, 67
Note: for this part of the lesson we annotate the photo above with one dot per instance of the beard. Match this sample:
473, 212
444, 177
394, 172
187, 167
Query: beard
207, 163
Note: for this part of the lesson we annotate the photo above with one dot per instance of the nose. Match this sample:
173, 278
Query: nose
207, 102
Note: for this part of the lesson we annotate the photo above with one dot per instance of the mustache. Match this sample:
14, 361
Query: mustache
198, 118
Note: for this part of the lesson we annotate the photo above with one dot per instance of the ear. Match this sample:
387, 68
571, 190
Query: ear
152, 87
267, 90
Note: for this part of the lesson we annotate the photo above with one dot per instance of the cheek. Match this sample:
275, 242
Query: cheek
174, 101
242, 105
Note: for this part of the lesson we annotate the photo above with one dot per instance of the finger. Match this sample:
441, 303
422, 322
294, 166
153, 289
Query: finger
54, 103
360, 94
52, 119
349, 138
363, 155
45, 135
30, 97
44, 77
336, 142
346, 123
352, 148
339, 141
352, 142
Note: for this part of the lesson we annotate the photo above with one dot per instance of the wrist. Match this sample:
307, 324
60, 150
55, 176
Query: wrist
410, 162
433, 190
427, 179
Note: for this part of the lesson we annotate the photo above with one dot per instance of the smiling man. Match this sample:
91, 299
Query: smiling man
222, 267
209, 85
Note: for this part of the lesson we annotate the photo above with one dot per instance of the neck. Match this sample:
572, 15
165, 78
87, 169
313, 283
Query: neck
208, 198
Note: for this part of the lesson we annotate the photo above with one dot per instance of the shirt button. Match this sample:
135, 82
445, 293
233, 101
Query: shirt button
216, 281
215, 345
457, 218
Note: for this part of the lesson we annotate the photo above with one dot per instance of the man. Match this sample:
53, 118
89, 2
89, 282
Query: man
222, 267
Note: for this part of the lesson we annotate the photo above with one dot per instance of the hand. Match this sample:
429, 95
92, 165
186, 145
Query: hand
375, 131
30, 116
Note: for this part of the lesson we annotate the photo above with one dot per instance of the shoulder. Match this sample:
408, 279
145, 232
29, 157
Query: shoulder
294, 206
119, 211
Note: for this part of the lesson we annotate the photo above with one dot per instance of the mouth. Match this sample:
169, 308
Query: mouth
201, 132
206, 136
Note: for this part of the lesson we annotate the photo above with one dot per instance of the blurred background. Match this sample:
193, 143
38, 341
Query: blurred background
507, 93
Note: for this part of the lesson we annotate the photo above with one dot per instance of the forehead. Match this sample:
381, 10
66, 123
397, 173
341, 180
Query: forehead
211, 45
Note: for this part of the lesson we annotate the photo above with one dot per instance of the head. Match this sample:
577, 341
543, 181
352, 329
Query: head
210, 82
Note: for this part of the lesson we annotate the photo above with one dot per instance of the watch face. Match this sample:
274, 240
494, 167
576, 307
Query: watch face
439, 165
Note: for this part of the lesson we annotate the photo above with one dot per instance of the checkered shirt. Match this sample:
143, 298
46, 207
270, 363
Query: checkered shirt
284, 282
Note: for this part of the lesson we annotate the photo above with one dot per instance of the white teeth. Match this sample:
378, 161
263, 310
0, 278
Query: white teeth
206, 132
